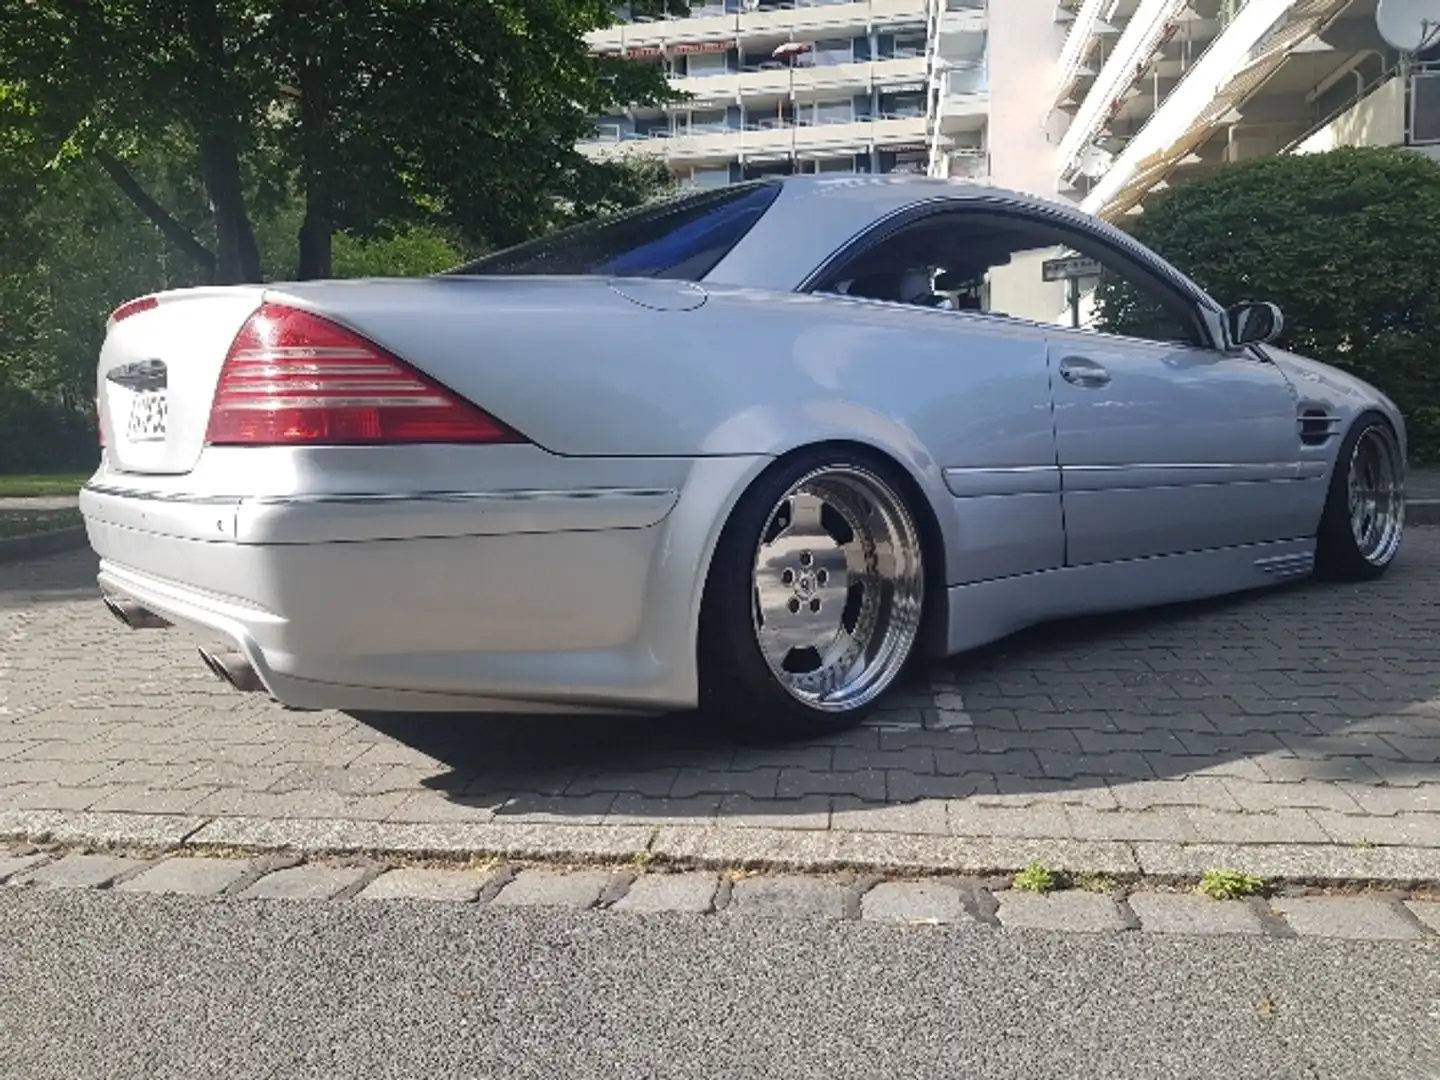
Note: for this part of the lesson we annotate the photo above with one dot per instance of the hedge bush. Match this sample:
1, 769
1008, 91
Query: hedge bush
1346, 242
44, 436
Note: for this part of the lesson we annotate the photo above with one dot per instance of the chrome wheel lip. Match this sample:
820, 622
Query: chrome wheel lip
893, 584
1375, 496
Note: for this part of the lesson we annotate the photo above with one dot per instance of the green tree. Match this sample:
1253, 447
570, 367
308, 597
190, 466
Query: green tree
463, 113
73, 248
1347, 243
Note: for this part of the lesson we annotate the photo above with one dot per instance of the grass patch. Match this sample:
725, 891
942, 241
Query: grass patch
1230, 884
42, 485
1035, 878
26, 522
1096, 883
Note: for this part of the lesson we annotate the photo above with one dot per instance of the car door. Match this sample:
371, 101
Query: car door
1166, 448
975, 391
1167, 443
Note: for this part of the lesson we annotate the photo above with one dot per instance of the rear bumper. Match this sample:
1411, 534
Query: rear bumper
547, 599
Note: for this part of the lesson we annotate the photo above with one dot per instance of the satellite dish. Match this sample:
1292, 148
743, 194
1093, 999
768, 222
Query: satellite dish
1095, 161
1408, 25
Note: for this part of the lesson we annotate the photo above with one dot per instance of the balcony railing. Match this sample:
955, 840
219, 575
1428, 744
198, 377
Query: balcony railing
803, 64
788, 17
760, 136
773, 77
740, 8
617, 133
968, 163
966, 78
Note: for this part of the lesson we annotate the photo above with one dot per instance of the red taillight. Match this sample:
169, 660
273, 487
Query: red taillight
133, 307
295, 379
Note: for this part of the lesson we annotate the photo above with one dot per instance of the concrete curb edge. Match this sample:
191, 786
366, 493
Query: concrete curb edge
776, 850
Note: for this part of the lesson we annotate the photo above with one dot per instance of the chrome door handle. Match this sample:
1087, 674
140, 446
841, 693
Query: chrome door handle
1082, 372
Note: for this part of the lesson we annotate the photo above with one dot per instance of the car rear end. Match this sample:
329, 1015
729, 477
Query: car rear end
350, 532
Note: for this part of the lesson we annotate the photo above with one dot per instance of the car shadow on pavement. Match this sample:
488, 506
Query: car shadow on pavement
1320, 697
1306, 684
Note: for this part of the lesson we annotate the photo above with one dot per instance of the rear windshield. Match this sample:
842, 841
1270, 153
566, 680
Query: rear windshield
682, 239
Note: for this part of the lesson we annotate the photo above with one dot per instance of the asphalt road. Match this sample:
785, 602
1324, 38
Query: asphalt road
107, 985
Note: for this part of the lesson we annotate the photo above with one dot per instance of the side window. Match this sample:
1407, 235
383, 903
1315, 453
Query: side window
1021, 267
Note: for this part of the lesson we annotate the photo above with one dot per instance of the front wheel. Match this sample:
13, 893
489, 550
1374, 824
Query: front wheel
1364, 517
815, 597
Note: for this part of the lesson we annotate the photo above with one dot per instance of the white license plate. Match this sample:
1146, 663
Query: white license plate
148, 415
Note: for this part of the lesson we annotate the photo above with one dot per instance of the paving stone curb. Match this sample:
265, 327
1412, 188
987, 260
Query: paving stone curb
15, 549
703, 847
935, 901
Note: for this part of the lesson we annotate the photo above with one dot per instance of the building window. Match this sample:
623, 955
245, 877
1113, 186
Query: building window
905, 161
653, 127
835, 51
844, 164
900, 106
837, 111
709, 121
712, 63
757, 170
710, 178
908, 45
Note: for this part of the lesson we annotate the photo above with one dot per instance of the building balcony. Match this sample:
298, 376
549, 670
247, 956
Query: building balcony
964, 90
967, 163
1154, 23
781, 80
963, 17
766, 138
1222, 88
1398, 111
787, 18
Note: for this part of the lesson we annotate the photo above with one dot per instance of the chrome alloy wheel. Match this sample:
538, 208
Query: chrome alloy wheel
1376, 498
839, 588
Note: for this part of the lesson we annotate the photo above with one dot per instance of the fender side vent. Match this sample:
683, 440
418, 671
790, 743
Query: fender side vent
1318, 426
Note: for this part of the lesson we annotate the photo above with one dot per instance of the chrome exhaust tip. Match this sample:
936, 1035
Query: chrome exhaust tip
133, 615
116, 610
232, 668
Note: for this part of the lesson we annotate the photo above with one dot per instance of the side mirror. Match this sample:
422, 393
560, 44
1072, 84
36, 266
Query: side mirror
1251, 323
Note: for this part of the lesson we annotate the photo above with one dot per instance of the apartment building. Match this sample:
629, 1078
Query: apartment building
1097, 101
782, 86
1157, 92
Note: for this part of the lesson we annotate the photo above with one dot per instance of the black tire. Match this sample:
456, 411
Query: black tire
1339, 553
739, 686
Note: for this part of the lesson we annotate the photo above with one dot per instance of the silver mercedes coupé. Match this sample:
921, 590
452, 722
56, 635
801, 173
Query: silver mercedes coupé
754, 447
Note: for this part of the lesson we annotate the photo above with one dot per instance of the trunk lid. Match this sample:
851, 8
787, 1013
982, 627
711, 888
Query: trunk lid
157, 376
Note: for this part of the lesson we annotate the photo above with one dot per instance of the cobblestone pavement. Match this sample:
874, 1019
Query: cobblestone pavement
1295, 733
1103, 907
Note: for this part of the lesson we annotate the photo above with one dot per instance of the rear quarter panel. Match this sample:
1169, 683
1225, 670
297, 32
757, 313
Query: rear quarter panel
581, 370
584, 372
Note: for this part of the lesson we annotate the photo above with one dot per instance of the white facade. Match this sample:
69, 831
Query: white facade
1097, 101
791, 85
1157, 92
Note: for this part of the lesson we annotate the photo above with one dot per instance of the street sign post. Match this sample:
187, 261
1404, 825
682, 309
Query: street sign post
1070, 270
